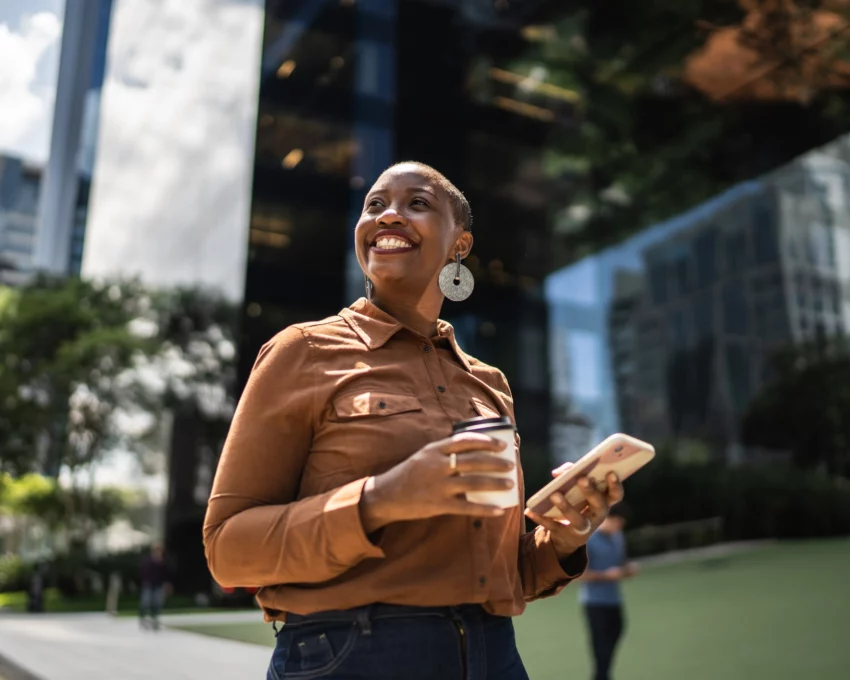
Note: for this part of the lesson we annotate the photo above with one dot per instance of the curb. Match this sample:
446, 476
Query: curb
708, 552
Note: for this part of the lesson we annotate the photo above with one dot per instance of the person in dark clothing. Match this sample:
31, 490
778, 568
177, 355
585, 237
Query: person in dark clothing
600, 592
35, 593
153, 578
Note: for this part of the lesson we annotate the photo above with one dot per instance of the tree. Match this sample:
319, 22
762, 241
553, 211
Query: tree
92, 367
64, 343
36, 496
805, 408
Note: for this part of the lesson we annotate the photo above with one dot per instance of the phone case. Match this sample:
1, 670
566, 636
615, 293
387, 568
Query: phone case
619, 453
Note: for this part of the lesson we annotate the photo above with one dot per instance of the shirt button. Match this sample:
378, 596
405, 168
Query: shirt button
477, 524
382, 404
440, 388
482, 581
427, 348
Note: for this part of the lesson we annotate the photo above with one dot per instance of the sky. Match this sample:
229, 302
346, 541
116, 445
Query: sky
30, 34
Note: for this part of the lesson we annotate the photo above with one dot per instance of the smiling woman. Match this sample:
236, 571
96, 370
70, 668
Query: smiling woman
342, 493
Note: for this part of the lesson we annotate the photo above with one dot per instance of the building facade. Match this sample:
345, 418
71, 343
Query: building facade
64, 193
19, 185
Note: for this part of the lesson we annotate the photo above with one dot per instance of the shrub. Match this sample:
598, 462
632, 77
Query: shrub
752, 502
14, 573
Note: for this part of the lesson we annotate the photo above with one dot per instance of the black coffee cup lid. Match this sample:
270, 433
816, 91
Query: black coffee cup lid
482, 424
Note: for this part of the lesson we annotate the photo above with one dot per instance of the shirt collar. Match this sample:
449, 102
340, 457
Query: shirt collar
375, 327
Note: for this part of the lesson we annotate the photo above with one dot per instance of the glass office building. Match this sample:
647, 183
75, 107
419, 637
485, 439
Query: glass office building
660, 200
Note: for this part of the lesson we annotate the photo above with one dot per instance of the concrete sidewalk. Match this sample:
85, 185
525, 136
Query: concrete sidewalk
99, 647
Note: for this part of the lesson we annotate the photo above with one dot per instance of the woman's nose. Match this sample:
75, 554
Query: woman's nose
391, 216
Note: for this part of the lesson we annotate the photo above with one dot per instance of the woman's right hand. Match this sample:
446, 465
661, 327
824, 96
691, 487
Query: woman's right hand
425, 485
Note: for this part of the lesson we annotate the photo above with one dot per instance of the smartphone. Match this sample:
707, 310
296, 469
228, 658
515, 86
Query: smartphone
619, 453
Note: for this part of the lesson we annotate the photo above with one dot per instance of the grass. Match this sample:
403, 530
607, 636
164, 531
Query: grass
54, 603
776, 613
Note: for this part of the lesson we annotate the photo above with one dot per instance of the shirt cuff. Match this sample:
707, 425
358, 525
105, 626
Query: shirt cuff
342, 520
558, 573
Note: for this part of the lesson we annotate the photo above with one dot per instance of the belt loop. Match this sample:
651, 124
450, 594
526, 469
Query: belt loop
364, 620
275, 628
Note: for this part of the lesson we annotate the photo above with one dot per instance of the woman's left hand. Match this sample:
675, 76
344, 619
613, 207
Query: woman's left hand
573, 529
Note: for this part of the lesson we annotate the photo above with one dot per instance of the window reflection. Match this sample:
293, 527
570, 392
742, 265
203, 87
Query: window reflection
698, 305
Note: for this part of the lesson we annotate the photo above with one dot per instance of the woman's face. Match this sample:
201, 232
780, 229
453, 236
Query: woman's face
407, 232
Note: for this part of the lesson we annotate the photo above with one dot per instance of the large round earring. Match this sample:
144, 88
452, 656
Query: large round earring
369, 288
456, 281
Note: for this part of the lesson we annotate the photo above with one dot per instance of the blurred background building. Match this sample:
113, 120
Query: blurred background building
19, 183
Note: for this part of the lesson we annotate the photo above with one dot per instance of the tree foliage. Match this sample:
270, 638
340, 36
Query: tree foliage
675, 101
63, 344
89, 368
805, 408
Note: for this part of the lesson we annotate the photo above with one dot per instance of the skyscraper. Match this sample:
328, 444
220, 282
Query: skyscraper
65, 184
19, 183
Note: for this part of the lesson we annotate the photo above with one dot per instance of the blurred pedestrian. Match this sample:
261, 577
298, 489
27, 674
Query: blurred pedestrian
600, 592
341, 491
36, 590
154, 581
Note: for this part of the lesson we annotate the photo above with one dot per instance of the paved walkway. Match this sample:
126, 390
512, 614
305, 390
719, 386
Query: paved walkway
99, 647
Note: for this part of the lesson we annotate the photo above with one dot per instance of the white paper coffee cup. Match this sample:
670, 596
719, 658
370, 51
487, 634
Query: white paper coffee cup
504, 430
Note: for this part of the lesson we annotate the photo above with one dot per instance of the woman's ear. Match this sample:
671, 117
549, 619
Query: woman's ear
464, 244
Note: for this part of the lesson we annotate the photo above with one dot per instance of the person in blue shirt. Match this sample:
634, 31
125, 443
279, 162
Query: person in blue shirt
600, 592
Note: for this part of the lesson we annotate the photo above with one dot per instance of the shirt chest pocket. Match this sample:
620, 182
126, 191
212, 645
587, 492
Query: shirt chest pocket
372, 405
372, 431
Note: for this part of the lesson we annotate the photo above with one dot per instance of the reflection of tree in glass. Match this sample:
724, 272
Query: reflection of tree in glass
677, 101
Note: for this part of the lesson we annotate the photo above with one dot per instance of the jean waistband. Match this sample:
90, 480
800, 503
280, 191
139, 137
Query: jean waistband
386, 611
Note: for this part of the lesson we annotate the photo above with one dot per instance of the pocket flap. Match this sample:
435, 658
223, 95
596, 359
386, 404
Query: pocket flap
367, 404
484, 409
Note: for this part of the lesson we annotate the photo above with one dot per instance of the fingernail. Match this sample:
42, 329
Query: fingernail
614, 477
498, 512
556, 498
585, 482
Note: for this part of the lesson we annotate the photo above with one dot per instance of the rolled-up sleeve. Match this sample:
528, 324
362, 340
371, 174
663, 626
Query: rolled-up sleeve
542, 574
255, 532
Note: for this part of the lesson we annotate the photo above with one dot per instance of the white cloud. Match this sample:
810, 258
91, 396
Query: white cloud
172, 177
29, 63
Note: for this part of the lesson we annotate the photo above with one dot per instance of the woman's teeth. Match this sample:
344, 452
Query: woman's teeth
387, 243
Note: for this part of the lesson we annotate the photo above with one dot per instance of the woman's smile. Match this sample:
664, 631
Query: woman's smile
391, 241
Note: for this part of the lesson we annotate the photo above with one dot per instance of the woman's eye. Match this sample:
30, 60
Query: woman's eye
419, 201
374, 203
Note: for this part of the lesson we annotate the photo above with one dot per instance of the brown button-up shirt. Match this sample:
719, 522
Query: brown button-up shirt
327, 405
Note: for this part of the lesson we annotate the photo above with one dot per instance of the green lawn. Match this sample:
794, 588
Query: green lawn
776, 613
54, 603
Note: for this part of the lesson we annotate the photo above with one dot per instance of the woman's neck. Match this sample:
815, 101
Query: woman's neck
419, 315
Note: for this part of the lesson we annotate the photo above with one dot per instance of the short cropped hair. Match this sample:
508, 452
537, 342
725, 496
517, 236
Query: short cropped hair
620, 510
460, 206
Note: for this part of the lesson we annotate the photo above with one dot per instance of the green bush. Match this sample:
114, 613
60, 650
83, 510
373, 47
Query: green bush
14, 573
754, 502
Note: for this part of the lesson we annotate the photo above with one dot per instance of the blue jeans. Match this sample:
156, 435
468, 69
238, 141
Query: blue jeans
151, 600
387, 642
